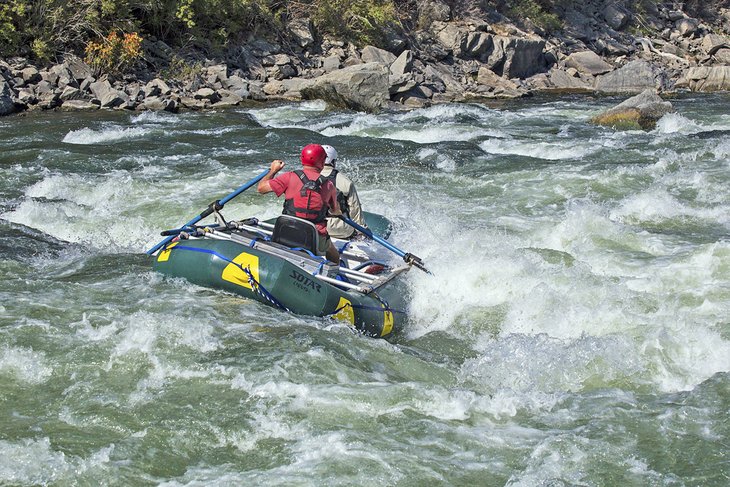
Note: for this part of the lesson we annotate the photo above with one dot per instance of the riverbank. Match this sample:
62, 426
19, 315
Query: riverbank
462, 52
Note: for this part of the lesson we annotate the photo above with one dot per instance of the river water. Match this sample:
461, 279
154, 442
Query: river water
576, 331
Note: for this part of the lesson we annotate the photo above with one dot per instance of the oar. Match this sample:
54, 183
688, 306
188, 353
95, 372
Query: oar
408, 257
214, 206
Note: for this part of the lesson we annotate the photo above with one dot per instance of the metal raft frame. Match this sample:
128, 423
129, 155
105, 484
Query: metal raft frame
320, 268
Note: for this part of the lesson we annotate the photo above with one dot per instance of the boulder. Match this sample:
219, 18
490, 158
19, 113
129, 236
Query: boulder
402, 65
157, 87
372, 54
78, 105
497, 85
157, 104
363, 87
330, 63
615, 17
686, 27
640, 111
30, 75
430, 11
78, 69
562, 80
451, 36
634, 77
712, 43
301, 30
706, 78
515, 57
588, 62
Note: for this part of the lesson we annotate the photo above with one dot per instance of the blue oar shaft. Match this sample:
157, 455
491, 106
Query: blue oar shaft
210, 210
409, 258
370, 234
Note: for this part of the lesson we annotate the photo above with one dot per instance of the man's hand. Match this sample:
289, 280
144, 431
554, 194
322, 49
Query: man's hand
276, 166
264, 186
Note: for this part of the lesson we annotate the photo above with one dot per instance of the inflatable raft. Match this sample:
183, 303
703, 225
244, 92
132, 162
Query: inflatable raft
275, 262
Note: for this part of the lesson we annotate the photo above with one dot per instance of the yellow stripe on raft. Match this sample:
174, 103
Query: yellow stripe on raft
346, 312
165, 254
233, 273
387, 323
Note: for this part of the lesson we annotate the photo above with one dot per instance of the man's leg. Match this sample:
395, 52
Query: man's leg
332, 254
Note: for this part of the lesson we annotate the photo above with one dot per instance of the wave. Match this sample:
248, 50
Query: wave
87, 136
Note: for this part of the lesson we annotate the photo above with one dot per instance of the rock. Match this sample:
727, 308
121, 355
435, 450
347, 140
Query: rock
157, 104
301, 30
478, 44
588, 62
372, 54
489, 78
401, 84
228, 99
440, 77
100, 88
330, 63
564, 81
712, 43
615, 17
79, 70
363, 87
71, 93
524, 57
686, 27
451, 36
194, 103
722, 56
30, 75
113, 99
157, 87
430, 11
706, 78
640, 111
26, 97
634, 77
402, 65
206, 94
78, 105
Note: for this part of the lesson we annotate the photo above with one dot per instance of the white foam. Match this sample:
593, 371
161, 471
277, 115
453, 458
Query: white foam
550, 151
88, 136
25, 365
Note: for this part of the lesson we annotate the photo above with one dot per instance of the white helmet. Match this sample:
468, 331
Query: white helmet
331, 155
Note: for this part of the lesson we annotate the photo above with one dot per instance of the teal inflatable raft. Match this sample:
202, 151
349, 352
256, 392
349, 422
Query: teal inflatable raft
275, 262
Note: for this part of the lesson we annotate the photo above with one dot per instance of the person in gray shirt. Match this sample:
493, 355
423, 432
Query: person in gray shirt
346, 197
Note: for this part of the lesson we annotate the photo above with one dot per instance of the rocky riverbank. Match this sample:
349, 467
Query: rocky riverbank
463, 52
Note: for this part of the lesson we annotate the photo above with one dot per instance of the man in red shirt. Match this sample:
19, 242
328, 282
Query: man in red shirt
308, 195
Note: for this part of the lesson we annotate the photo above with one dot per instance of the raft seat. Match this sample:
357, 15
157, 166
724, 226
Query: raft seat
296, 232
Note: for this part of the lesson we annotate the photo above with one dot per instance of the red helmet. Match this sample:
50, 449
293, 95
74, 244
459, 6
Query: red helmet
313, 155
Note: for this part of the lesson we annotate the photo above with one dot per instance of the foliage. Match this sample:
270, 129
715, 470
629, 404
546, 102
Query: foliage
182, 70
538, 11
361, 21
114, 53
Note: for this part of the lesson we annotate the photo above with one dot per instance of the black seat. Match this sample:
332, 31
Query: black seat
296, 233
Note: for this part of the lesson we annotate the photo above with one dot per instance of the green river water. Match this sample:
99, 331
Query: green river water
576, 331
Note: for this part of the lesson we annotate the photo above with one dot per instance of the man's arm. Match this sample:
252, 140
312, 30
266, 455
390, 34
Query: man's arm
353, 201
264, 186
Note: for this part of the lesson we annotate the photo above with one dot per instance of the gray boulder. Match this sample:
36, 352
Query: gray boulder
430, 11
301, 31
564, 81
640, 111
588, 62
363, 87
78, 105
706, 78
402, 65
372, 54
515, 57
615, 17
634, 77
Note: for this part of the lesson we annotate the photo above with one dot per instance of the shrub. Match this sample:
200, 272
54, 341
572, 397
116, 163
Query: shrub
114, 53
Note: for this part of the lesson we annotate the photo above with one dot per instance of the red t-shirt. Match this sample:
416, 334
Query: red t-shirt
289, 185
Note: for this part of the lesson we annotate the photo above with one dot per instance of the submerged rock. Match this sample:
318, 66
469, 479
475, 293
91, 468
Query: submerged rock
638, 112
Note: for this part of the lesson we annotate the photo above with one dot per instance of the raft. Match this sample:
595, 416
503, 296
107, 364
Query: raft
275, 262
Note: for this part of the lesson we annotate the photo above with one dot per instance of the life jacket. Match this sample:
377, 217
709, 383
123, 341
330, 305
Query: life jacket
341, 198
308, 204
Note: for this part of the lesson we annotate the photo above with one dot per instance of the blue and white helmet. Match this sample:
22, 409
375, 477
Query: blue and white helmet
331, 155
